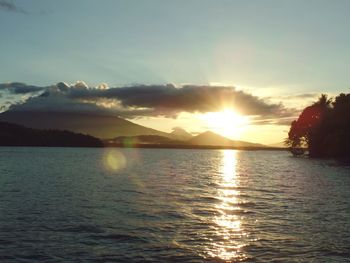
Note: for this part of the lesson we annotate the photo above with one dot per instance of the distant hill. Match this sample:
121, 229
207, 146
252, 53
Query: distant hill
206, 140
180, 134
278, 145
143, 139
17, 135
101, 126
212, 139
115, 130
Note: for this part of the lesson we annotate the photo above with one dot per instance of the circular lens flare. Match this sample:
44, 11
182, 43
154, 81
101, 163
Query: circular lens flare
114, 160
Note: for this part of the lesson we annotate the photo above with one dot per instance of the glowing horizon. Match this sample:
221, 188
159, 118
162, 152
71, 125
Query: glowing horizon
227, 122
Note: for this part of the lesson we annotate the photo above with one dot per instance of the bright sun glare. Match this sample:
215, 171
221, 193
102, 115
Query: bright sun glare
227, 122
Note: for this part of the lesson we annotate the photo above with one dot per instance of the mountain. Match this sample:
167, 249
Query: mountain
17, 135
180, 134
209, 138
101, 126
113, 129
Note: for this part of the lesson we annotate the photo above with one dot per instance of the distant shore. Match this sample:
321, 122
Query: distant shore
186, 146
159, 146
14, 135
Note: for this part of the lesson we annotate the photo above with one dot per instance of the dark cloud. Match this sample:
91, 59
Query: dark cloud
9, 6
19, 88
148, 100
170, 100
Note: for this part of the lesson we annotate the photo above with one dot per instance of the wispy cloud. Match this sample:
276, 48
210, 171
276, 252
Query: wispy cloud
297, 96
9, 6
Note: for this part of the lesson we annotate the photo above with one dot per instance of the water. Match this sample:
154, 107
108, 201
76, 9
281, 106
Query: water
159, 205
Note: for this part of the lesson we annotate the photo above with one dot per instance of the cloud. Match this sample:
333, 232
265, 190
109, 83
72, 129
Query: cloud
19, 88
297, 96
9, 6
148, 100
169, 100
279, 121
305, 96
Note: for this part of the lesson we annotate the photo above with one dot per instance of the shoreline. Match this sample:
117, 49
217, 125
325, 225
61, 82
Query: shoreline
159, 146
199, 147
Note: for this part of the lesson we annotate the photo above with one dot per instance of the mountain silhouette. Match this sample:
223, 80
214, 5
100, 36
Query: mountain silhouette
115, 130
101, 126
209, 138
180, 134
278, 145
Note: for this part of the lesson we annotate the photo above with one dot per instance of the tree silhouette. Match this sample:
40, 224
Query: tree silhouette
323, 128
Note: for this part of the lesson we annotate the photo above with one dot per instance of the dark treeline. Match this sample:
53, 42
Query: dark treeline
16, 135
323, 127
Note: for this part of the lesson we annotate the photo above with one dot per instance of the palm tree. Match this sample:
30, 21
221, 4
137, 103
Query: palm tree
323, 102
323, 127
304, 132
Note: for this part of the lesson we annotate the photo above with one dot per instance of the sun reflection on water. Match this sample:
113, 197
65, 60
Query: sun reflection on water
229, 166
228, 223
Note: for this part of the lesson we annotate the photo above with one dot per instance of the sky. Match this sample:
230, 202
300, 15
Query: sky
279, 52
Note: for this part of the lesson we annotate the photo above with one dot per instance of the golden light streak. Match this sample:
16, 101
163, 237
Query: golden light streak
228, 223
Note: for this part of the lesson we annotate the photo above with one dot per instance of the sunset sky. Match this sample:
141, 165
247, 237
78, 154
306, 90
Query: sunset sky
166, 64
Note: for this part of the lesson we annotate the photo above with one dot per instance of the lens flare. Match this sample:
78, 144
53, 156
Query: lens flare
114, 160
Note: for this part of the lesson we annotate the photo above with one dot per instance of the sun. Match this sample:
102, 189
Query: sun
227, 123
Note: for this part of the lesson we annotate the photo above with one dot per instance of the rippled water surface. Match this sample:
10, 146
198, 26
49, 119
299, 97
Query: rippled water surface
161, 205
